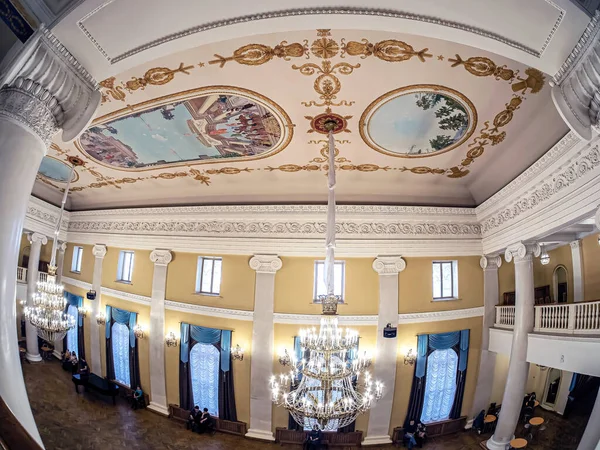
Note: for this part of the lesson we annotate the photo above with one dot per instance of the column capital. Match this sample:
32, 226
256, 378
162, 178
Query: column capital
161, 257
490, 262
99, 250
265, 263
389, 265
37, 237
62, 247
521, 251
575, 244
46, 89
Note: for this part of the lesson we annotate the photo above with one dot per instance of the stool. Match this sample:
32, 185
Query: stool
536, 421
489, 422
518, 443
536, 404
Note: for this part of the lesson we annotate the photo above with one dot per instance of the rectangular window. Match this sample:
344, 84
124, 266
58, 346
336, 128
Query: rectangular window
208, 275
445, 280
320, 287
76, 262
125, 268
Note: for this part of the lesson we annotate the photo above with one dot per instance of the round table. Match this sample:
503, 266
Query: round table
518, 443
536, 404
488, 422
536, 421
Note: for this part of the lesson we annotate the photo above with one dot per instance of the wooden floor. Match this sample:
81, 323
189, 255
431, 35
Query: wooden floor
68, 421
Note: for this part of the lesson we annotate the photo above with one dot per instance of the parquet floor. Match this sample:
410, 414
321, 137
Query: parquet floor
68, 421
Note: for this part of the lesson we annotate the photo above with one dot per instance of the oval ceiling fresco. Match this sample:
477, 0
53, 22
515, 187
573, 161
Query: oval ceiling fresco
193, 127
418, 121
56, 170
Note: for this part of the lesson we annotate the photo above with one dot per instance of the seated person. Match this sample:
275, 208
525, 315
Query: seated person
84, 369
479, 422
138, 399
74, 362
192, 418
204, 421
409, 434
421, 434
314, 438
66, 361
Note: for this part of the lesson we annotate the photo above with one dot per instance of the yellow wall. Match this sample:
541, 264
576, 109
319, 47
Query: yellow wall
141, 278
242, 335
45, 253
87, 263
294, 284
237, 282
542, 275
407, 339
591, 267
416, 286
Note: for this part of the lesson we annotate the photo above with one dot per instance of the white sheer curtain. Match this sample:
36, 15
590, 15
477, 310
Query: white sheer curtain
120, 349
440, 385
72, 335
204, 366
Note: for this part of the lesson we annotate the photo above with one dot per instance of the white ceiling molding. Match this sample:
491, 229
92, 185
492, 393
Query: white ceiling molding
41, 217
222, 313
439, 316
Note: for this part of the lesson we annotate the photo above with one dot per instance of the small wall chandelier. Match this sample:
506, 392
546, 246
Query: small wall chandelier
410, 358
138, 331
237, 353
83, 311
544, 257
171, 340
332, 387
101, 318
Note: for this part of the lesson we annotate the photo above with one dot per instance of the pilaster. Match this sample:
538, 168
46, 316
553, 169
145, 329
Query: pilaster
261, 363
36, 240
60, 260
99, 252
576, 256
158, 386
388, 268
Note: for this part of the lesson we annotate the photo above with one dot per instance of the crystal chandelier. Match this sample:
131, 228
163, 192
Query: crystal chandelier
47, 314
544, 258
333, 386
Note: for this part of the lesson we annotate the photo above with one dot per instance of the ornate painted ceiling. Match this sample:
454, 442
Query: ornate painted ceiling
419, 121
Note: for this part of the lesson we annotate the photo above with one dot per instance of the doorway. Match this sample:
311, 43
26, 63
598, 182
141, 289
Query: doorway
551, 389
561, 289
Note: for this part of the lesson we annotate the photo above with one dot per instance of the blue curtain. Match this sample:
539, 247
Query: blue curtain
120, 350
120, 315
132, 324
125, 344
422, 345
204, 367
440, 385
442, 341
108, 320
72, 344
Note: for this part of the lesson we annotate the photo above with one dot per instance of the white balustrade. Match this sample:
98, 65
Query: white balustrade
42, 277
572, 318
505, 317
22, 274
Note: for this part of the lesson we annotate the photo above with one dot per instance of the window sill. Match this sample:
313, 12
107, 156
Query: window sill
124, 282
76, 272
207, 294
446, 299
318, 302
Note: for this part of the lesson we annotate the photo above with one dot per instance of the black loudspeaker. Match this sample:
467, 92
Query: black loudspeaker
91, 295
389, 331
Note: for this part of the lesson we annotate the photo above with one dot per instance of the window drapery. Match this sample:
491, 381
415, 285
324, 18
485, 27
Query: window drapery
120, 350
440, 385
120, 346
72, 344
204, 364
74, 340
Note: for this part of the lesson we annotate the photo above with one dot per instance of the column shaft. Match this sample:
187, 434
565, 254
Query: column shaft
591, 436
99, 252
60, 261
261, 363
518, 367
378, 430
36, 240
158, 386
577, 271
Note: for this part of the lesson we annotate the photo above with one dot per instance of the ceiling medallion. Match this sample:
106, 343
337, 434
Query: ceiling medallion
418, 121
54, 169
323, 123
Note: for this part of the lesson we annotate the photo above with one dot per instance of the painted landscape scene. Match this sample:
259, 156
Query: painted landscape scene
207, 127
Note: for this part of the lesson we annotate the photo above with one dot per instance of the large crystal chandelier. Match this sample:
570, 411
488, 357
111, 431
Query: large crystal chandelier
333, 386
47, 314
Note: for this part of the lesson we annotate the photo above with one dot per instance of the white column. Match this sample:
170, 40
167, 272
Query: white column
591, 436
577, 271
487, 362
158, 385
518, 367
44, 89
60, 260
388, 268
261, 358
36, 240
99, 252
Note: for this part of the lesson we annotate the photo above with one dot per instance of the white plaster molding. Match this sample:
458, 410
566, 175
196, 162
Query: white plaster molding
521, 251
260, 434
38, 237
490, 262
439, 316
62, 247
265, 263
389, 265
161, 257
209, 311
597, 218
159, 409
99, 250
42, 217
315, 319
376, 440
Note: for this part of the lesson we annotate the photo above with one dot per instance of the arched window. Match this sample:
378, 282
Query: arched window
72, 343
440, 385
204, 365
120, 349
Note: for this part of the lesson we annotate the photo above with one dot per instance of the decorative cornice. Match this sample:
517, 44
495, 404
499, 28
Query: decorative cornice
490, 262
135, 298
223, 313
37, 237
265, 263
99, 250
161, 257
522, 252
575, 244
389, 265
439, 316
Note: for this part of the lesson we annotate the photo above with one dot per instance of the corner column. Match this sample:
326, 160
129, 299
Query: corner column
261, 359
36, 240
388, 268
99, 252
591, 436
577, 271
158, 385
60, 261
487, 362
518, 366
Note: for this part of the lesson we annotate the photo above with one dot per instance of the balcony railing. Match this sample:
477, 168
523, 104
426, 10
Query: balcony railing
571, 318
22, 275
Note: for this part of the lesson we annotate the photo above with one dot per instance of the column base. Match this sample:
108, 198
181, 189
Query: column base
56, 354
377, 440
158, 409
260, 434
469, 424
493, 445
33, 358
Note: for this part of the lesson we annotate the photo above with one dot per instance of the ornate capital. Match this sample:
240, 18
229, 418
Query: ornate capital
265, 263
99, 250
38, 237
389, 265
490, 262
522, 252
62, 247
575, 244
161, 257
46, 89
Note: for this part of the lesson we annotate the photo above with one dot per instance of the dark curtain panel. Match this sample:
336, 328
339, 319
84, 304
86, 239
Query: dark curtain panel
460, 393
417, 391
80, 340
348, 428
227, 409
134, 366
110, 363
186, 395
65, 344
